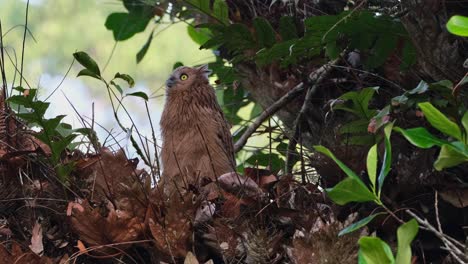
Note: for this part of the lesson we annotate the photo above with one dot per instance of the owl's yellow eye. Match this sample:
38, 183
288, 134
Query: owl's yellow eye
184, 77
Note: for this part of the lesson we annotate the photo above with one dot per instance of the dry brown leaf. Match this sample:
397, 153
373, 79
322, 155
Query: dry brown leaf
74, 205
95, 229
112, 176
190, 259
36, 240
18, 256
171, 227
457, 197
81, 247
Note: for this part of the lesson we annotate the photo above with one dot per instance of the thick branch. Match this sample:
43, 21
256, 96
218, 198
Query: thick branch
288, 97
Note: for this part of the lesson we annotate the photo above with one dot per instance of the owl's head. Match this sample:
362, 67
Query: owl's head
184, 77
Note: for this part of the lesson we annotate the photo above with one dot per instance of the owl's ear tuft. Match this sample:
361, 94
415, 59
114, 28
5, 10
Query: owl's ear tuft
204, 70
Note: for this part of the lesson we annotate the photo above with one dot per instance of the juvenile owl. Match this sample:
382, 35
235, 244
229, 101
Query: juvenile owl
197, 143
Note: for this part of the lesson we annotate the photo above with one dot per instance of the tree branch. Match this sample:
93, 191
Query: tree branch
288, 97
315, 77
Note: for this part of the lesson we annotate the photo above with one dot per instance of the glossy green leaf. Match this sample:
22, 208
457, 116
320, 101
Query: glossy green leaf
405, 235
350, 190
140, 94
440, 121
359, 224
387, 158
264, 32
458, 25
375, 251
342, 166
118, 87
372, 165
126, 78
142, 52
465, 122
199, 35
86, 72
126, 25
86, 61
449, 156
420, 137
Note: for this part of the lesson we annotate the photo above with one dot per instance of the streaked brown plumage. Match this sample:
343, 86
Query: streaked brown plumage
197, 142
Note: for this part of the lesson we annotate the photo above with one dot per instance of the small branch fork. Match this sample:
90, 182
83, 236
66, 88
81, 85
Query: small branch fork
316, 77
288, 97
454, 247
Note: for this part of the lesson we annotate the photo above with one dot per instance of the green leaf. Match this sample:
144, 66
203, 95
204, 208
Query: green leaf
203, 5
449, 156
350, 190
332, 50
353, 127
465, 122
86, 72
256, 111
387, 158
84, 59
409, 56
126, 78
360, 101
264, 32
420, 137
177, 65
142, 52
221, 11
342, 166
63, 171
375, 251
126, 25
140, 94
117, 87
440, 121
384, 45
50, 125
458, 25
266, 159
372, 165
405, 235
57, 147
421, 88
287, 28
361, 223
199, 35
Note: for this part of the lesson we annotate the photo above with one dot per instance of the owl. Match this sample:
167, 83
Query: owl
197, 145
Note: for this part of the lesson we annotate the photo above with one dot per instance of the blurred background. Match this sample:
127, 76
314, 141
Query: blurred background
58, 28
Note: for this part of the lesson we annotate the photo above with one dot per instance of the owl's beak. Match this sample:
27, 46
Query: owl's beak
170, 82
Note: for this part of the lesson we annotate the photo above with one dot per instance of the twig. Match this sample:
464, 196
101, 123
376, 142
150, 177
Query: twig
449, 246
24, 43
315, 77
293, 93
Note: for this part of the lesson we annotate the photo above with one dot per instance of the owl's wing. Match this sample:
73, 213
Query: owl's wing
224, 134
